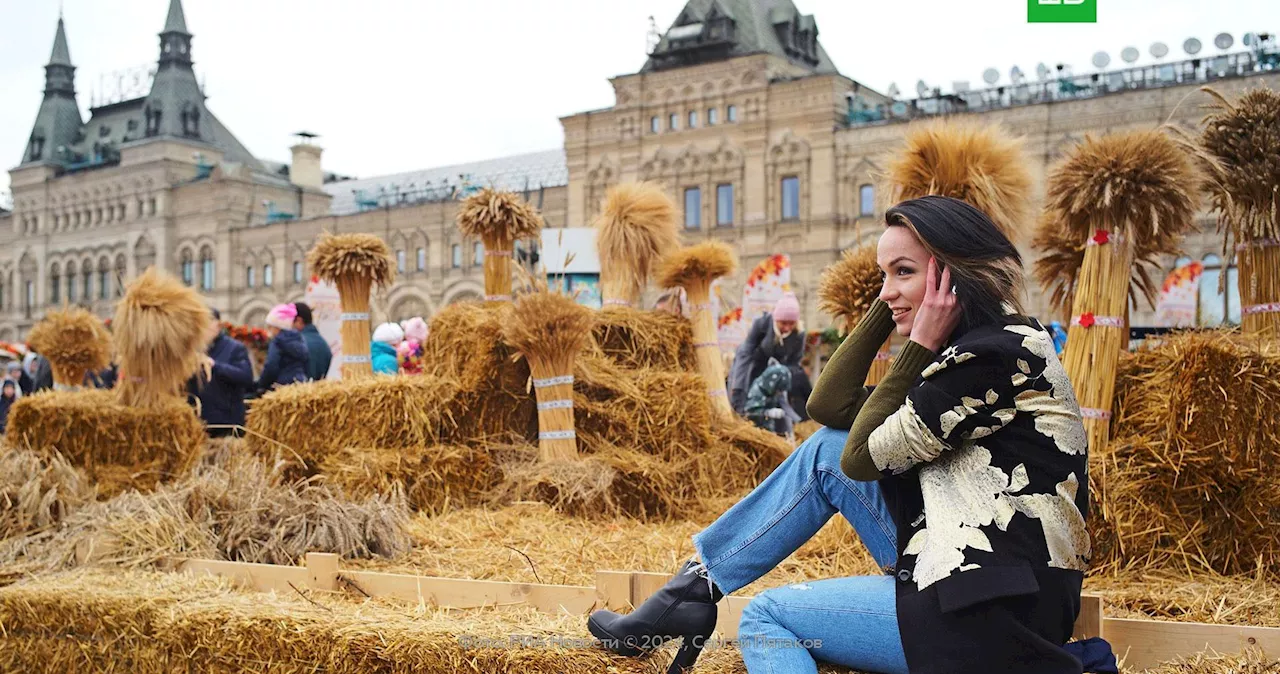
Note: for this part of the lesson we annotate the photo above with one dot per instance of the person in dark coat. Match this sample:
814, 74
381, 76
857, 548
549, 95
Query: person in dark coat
320, 356
773, 335
287, 355
8, 394
227, 376
42, 380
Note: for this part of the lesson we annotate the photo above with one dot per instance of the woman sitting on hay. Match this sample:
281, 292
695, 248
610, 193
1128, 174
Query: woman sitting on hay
963, 473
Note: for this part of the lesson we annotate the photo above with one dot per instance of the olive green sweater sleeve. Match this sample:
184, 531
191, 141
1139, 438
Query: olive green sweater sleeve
840, 390
888, 396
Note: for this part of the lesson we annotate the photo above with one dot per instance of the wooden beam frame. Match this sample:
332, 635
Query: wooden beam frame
1141, 643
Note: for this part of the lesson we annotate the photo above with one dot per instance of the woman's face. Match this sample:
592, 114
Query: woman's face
903, 262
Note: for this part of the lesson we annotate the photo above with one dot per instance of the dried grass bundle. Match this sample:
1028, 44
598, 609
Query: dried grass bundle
549, 330
74, 341
646, 339
1058, 269
694, 268
979, 165
355, 263
498, 219
160, 335
38, 492
847, 289
1242, 141
433, 479
1120, 195
636, 228
118, 446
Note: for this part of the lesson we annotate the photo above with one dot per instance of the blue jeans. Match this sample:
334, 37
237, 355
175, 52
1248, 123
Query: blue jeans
846, 621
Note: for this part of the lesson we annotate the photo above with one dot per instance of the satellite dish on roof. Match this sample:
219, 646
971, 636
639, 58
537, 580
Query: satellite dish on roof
1101, 59
1223, 41
922, 89
1191, 46
893, 90
1249, 39
991, 76
1042, 71
1159, 50
1130, 54
1016, 76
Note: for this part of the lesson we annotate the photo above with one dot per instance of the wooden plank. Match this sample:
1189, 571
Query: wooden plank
1147, 643
461, 593
643, 585
323, 569
613, 590
261, 577
1089, 622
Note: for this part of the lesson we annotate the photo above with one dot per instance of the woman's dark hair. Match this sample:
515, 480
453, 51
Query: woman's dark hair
986, 268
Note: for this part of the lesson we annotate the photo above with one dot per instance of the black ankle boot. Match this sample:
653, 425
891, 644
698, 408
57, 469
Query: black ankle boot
684, 607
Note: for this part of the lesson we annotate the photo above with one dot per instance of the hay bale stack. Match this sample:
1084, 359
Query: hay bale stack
639, 339
433, 479
38, 492
1242, 142
635, 230
847, 290
694, 268
161, 330
118, 446
318, 420
498, 219
1189, 482
355, 263
74, 341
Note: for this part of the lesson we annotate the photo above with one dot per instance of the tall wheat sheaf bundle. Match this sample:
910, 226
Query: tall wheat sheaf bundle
549, 330
694, 268
354, 263
636, 228
847, 290
979, 165
74, 341
498, 219
1242, 140
160, 336
1119, 197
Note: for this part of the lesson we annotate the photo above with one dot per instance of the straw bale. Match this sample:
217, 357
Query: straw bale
646, 339
38, 492
744, 454
74, 341
337, 256
492, 214
849, 287
700, 263
118, 446
1204, 598
317, 420
980, 165
433, 479
161, 328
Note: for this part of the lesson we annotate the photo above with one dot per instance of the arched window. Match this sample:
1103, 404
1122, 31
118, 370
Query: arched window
400, 261
104, 279
55, 284
297, 271
122, 270
250, 276
422, 259
477, 253
86, 277
866, 201
207, 268
71, 282
267, 277
457, 255
188, 268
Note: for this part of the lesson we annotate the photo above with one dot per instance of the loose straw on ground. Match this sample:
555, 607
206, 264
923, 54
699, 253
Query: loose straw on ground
354, 263
1243, 181
1119, 193
74, 341
847, 290
694, 268
635, 230
160, 336
498, 219
550, 329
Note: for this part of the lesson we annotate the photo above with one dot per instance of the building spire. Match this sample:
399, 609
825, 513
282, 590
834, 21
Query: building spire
58, 122
61, 55
175, 106
176, 21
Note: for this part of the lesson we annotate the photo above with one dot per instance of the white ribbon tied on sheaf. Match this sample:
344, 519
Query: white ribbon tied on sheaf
553, 381
355, 316
557, 435
346, 358
556, 405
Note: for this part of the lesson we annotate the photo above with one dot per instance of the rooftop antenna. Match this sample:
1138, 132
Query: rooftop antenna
991, 76
304, 137
1223, 41
893, 90
1191, 46
653, 37
1042, 71
1249, 39
1129, 54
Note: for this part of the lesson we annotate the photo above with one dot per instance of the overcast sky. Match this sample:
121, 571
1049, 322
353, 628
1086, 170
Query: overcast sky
396, 85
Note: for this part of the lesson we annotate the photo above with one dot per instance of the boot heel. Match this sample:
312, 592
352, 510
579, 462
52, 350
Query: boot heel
690, 648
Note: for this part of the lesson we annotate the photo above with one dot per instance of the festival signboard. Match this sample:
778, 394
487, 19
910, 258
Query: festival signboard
326, 315
1179, 294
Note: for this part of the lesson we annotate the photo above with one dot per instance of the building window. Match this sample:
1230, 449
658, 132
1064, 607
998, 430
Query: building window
188, 268
457, 255
71, 282
151, 206
206, 270
97, 216
655, 124
104, 280
693, 119
477, 253
55, 285
250, 276
692, 208
86, 278
731, 113
422, 259
791, 198
267, 277
866, 200
31, 296
673, 121
713, 116
400, 261
724, 205
297, 271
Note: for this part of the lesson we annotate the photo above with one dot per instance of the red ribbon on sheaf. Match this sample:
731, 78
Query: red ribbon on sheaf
1086, 320
1100, 237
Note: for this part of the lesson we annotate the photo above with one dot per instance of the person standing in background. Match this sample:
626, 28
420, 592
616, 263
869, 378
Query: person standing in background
8, 394
319, 356
226, 377
773, 335
287, 355
383, 349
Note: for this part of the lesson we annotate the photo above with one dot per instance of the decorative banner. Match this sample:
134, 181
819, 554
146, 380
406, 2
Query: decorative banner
326, 314
729, 326
1176, 306
765, 286
583, 288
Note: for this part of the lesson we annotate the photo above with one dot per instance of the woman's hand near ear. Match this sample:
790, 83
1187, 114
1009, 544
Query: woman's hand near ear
939, 313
